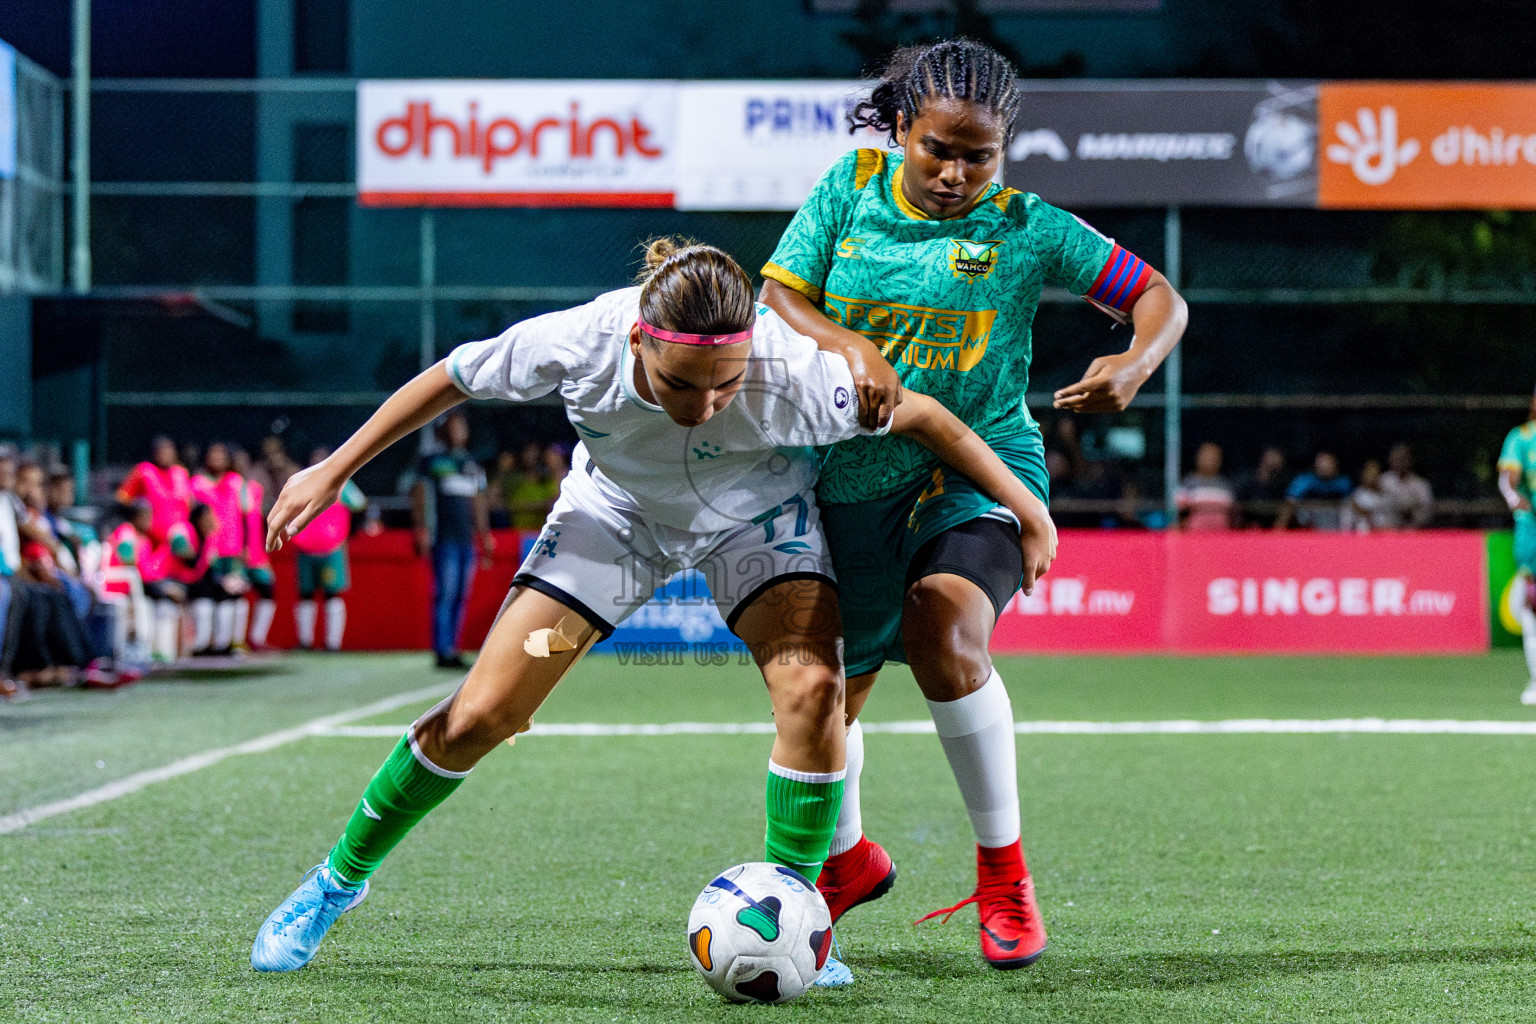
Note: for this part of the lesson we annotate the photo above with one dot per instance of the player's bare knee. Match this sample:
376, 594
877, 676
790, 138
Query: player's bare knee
947, 651
815, 695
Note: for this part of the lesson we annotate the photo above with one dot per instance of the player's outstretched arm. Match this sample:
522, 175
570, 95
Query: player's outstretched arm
874, 379
926, 421
1158, 318
311, 491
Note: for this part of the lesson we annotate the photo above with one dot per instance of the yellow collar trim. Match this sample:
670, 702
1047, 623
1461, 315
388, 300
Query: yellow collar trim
1001, 197
902, 203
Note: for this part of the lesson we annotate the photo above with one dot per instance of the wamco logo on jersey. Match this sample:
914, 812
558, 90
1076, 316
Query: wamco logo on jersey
972, 260
940, 339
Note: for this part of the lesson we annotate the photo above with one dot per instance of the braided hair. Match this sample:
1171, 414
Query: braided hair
953, 69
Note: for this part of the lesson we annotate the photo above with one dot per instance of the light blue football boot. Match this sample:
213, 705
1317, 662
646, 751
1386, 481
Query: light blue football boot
835, 973
291, 935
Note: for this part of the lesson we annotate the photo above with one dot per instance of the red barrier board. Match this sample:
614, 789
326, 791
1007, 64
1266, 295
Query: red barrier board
1105, 592
1238, 592
389, 607
1247, 592
1334, 593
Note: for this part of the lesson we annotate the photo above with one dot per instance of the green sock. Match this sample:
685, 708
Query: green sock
402, 792
802, 815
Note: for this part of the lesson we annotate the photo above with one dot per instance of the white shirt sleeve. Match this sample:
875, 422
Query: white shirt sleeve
810, 394
528, 360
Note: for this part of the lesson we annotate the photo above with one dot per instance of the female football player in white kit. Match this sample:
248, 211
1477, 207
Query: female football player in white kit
695, 407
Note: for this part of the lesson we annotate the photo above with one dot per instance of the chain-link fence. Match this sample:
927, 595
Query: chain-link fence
249, 290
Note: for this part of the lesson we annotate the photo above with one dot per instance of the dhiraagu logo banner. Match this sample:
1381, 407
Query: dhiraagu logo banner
1503, 593
7, 111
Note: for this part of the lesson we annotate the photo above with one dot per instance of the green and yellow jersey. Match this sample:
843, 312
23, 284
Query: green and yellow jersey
950, 303
1519, 456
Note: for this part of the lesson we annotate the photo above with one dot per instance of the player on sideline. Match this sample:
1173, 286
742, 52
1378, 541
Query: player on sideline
1517, 482
693, 404
164, 483
926, 275
322, 565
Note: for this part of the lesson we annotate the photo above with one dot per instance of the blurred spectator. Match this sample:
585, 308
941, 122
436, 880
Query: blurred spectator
530, 494
557, 463
1205, 498
191, 455
272, 470
322, 564
502, 480
1314, 500
164, 484
258, 567
1411, 498
52, 646
223, 490
1263, 489
214, 584
1059, 468
156, 626
452, 486
1369, 507
78, 535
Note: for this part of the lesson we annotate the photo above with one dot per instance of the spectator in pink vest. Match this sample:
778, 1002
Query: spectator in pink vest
164, 484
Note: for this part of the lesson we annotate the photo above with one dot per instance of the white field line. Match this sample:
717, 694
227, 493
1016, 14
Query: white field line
1182, 727
186, 765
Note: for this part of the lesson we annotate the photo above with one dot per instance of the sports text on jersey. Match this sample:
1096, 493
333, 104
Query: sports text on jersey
939, 339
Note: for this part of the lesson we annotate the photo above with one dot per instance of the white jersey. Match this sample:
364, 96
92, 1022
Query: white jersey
746, 459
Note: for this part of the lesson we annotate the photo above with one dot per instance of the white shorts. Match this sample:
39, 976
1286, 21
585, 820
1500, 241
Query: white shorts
606, 563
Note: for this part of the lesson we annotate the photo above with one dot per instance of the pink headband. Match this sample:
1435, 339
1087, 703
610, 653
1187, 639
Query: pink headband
695, 339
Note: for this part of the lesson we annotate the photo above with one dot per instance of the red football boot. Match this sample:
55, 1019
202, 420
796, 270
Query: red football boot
1012, 934
856, 876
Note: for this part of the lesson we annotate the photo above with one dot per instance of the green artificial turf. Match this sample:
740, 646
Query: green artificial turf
1184, 878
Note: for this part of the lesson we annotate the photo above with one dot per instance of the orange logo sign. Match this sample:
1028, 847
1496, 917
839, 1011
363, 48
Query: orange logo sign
1426, 145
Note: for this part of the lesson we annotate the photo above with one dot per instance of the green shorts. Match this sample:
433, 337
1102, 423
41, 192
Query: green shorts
1525, 543
324, 572
873, 542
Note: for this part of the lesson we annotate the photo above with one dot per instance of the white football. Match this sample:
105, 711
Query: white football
759, 933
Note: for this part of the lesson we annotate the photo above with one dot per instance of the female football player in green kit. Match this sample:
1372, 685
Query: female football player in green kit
926, 275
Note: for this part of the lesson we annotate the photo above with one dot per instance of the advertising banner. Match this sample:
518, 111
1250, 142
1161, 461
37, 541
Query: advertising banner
1421, 145
1328, 593
1105, 592
1246, 592
1505, 599
515, 143
1161, 144
761, 145
7, 111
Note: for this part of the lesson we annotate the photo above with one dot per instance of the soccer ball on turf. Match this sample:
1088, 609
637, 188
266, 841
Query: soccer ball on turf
759, 933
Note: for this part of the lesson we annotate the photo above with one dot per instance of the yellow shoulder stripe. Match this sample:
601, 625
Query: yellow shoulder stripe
790, 279
1004, 197
869, 163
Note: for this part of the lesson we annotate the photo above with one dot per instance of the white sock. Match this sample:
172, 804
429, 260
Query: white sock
224, 624
202, 624
304, 614
1528, 637
335, 622
850, 819
168, 630
241, 621
976, 732
261, 621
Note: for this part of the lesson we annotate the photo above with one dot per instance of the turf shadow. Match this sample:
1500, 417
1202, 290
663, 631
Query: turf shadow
1190, 970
